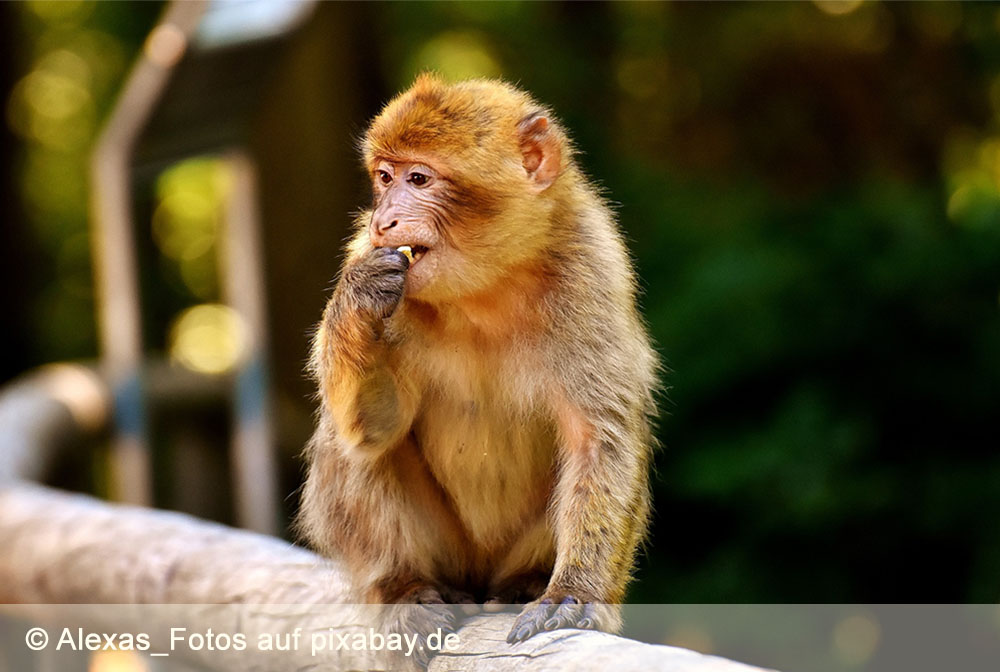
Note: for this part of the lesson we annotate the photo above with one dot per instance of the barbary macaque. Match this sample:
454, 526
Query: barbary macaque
487, 383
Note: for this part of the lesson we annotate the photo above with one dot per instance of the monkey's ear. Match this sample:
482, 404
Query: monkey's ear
541, 154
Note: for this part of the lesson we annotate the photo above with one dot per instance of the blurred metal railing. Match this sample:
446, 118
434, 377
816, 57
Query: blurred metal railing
163, 116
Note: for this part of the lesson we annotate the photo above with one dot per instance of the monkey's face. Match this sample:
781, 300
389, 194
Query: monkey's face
460, 246
409, 210
463, 175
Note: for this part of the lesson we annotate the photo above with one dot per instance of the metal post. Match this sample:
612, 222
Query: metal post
115, 264
253, 457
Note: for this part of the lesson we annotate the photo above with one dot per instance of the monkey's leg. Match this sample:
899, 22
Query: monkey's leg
600, 509
414, 542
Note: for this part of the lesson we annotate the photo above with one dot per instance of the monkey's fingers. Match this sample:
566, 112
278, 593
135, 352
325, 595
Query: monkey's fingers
588, 619
567, 614
531, 621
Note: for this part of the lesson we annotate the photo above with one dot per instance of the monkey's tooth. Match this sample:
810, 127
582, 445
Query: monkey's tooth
407, 252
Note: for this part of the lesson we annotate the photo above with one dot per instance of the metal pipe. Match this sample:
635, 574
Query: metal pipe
115, 263
254, 467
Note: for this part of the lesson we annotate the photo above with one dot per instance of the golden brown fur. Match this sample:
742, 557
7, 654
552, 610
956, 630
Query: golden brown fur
489, 423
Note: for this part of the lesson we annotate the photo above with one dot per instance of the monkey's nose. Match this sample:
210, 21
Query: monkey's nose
390, 225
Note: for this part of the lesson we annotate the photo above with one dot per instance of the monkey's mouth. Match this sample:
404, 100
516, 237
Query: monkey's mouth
413, 252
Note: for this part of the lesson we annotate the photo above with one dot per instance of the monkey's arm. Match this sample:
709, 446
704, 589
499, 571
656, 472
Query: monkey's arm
351, 357
600, 510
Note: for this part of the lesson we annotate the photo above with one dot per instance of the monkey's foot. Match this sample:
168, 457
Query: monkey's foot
569, 612
422, 612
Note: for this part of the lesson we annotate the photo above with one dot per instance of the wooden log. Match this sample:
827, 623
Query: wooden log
58, 548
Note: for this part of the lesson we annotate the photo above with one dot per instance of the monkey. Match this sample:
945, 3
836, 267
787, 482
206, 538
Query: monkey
486, 383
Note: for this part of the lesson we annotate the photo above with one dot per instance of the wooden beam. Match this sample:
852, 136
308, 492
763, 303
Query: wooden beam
61, 548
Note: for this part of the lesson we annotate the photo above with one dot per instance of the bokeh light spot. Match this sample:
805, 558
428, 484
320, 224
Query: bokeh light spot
690, 636
54, 95
837, 7
184, 224
209, 338
64, 11
973, 167
116, 661
52, 104
856, 638
187, 220
457, 55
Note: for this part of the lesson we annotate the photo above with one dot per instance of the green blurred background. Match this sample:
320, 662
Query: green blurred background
811, 192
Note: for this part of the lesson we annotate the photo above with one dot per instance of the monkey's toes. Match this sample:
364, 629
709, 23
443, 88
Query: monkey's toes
427, 616
422, 610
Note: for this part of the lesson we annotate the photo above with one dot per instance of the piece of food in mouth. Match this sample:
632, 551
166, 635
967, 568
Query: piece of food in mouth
412, 252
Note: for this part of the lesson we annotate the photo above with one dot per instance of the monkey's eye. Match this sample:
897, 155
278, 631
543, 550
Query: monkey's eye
384, 177
418, 179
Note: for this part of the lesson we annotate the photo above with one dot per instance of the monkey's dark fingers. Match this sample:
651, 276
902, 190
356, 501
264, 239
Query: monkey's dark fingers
531, 621
567, 614
384, 292
391, 256
378, 261
588, 619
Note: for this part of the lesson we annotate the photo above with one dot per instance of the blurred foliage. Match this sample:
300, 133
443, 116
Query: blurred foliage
812, 195
186, 223
72, 57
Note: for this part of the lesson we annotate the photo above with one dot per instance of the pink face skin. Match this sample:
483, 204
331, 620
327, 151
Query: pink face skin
409, 210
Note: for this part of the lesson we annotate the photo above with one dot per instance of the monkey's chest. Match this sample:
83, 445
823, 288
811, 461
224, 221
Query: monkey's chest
495, 465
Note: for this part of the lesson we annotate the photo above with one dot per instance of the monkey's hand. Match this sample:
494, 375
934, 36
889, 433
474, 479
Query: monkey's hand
560, 610
373, 283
